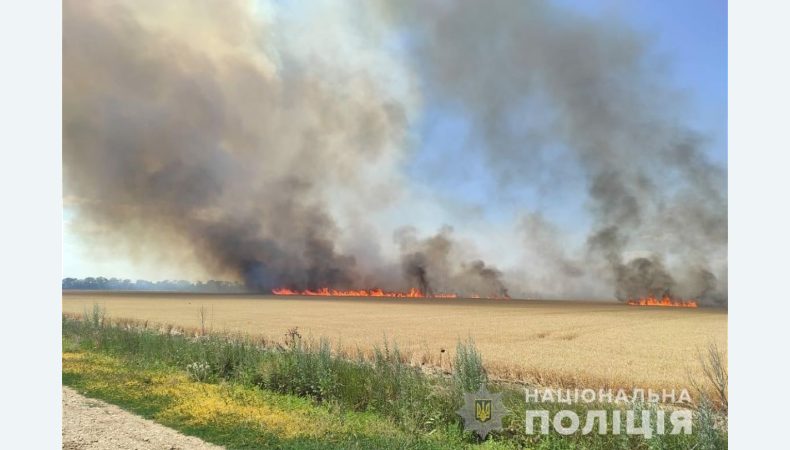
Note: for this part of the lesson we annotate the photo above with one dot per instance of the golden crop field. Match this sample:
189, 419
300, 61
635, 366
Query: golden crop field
552, 343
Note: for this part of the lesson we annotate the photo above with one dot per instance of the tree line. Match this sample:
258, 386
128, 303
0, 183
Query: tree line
119, 284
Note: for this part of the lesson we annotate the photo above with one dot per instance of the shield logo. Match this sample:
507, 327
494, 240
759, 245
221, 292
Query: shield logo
483, 410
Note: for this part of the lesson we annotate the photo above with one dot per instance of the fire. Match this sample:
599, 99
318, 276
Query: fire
665, 301
327, 292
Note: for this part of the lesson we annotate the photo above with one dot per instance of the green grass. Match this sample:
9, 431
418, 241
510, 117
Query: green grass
233, 414
242, 393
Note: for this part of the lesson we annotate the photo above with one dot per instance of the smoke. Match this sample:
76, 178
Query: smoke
193, 122
643, 277
550, 268
266, 143
542, 84
435, 264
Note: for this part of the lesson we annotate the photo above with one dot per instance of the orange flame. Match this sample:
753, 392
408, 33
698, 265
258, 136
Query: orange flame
327, 292
665, 301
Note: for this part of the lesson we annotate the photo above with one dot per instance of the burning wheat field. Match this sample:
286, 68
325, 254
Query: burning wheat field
237, 154
386, 206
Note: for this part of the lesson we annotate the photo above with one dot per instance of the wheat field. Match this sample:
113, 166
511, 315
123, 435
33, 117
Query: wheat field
551, 343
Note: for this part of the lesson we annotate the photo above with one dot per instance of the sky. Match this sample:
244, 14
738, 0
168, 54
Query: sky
690, 36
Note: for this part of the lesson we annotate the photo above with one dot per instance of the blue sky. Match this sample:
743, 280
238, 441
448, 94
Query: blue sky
693, 36
690, 37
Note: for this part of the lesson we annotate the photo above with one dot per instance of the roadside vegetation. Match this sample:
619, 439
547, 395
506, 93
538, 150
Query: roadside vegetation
243, 392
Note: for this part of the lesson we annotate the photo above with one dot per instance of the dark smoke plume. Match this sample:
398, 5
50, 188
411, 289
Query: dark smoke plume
538, 83
436, 265
260, 145
186, 122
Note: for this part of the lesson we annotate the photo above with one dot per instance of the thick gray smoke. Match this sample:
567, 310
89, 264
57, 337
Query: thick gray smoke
186, 122
435, 265
262, 146
542, 84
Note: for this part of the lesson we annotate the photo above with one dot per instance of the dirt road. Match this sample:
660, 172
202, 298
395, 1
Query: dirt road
94, 424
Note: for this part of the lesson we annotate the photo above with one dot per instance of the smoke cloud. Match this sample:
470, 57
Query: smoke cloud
538, 82
436, 265
266, 143
190, 121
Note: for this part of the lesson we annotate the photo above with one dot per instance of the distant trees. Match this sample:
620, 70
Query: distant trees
118, 284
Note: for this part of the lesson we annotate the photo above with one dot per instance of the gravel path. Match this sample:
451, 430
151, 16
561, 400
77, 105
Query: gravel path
94, 424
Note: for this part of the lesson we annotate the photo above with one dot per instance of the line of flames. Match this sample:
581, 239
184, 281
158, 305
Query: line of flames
327, 292
665, 301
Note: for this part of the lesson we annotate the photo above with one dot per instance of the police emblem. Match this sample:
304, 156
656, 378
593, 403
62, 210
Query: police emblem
482, 412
